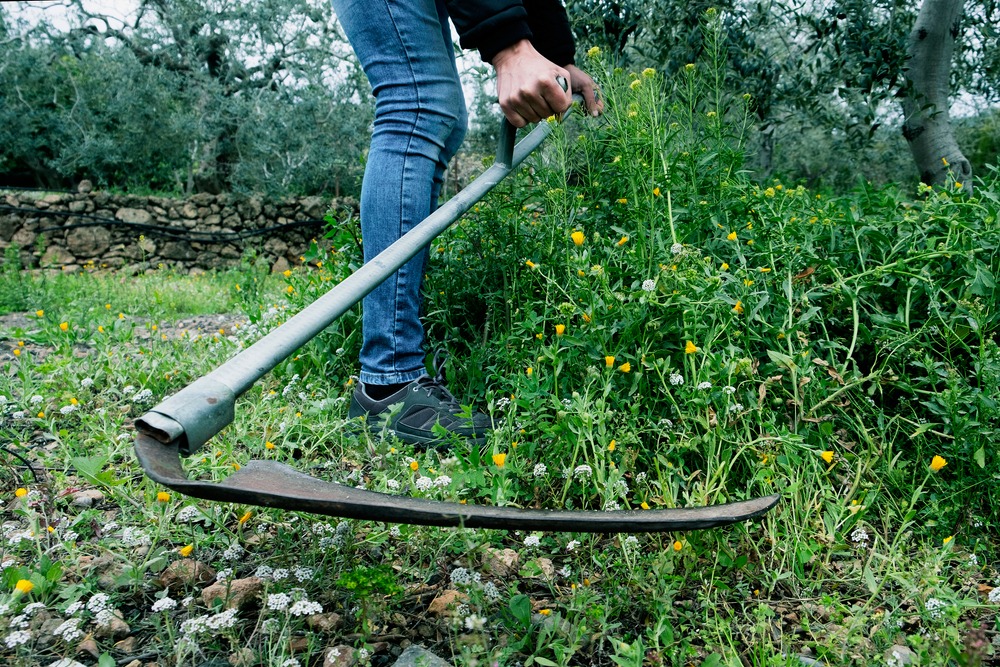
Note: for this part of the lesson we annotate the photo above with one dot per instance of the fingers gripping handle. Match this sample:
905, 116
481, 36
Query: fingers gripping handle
505, 146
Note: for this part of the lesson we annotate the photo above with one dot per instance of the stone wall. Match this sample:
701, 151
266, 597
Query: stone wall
98, 230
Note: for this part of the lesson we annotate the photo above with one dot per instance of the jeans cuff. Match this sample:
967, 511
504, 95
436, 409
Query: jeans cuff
391, 378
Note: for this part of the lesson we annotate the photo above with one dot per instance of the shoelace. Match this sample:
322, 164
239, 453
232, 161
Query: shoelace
435, 385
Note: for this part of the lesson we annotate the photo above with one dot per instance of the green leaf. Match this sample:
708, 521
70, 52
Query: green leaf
984, 283
545, 662
782, 360
980, 457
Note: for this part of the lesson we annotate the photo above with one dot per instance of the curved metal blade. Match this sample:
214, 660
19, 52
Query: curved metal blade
273, 484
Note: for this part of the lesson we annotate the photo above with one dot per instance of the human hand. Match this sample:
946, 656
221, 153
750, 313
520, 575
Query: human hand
582, 84
527, 85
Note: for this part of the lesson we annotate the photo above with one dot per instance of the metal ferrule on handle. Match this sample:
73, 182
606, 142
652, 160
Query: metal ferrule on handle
196, 413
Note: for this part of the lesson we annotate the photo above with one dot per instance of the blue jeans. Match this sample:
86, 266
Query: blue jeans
406, 50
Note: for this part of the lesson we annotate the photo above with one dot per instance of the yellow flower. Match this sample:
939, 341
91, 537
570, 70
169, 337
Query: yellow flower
17, 352
287, 273
586, 317
23, 586
21, 492
689, 67
769, 192
609, 361
530, 371
41, 415
578, 237
186, 551
690, 347
544, 612
946, 540
731, 236
64, 326
530, 264
648, 72
163, 497
499, 460
677, 545
623, 200
725, 266
958, 186
580, 272
937, 463
560, 329
611, 446
246, 517
656, 192
593, 52
827, 456
750, 242
635, 84
747, 282
644, 505
414, 466
268, 445
100, 329
944, 162
289, 289
121, 316
625, 368
764, 269
738, 308
622, 241
40, 313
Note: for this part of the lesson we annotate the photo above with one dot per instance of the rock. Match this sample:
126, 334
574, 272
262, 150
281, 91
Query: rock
275, 246
202, 198
177, 250
236, 594
899, 655
89, 242
134, 663
53, 199
147, 245
416, 656
339, 656
86, 498
545, 566
280, 265
85, 186
66, 662
314, 207
56, 255
189, 211
243, 657
327, 622
127, 645
88, 645
446, 602
501, 562
79, 206
115, 628
23, 238
298, 644
136, 216
185, 572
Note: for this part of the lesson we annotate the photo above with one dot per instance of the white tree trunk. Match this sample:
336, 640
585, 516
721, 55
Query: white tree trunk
927, 126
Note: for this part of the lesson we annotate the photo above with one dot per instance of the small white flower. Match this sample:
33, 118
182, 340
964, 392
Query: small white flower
934, 607
75, 608
702, 386
291, 662
163, 604
565, 572
736, 407
68, 630
395, 532
392, 484
973, 560
573, 544
860, 536
278, 601
33, 607
234, 552
474, 623
490, 591
532, 541
98, 603
223, 620
306, 608
729, 390
648, 285
187, 513
105, 617
280, 573
86, 382
265, 572
17, 638
994, 596
539, 470
67, 409
133, 537
631, 542
18, 415
303, 574
36, 399
582, 470
676, 249
424, 483
502, 403
676, 379
223, 575
143, 396
270, 626
3, 400
442, 481
460, 575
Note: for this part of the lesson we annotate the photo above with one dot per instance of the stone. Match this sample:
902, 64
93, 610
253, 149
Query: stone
185, 572
280, 265
177, 250
243, 657
327, 622
235, 594
66, 662
115, 628
298, 644
446, 602
23, 238
85, 186
339, 656
88, 645
53, 199
147, 245
899, 655
134, 663
189, 211
314, 207
417, 656
545, 566
501, 562
134, 215
127, 645
88, 242
80, 206
202, 199
56, 255
275, 246
8, 225
86, 498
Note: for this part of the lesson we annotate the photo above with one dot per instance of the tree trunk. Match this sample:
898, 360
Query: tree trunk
927, 125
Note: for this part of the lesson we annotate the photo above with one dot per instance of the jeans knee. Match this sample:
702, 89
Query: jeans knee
434, 113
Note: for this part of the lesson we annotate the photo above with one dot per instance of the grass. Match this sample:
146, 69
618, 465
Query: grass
652, 328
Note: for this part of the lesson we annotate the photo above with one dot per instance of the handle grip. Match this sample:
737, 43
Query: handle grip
505, 145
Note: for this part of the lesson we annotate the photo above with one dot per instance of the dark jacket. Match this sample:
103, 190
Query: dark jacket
493, 25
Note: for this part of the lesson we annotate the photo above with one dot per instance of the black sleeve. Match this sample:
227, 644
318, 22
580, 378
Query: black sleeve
493, 25
551, 34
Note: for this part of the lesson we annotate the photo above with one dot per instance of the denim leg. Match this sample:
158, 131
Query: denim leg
420, 121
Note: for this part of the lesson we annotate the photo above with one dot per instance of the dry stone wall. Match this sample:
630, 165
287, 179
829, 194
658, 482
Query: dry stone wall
98, 230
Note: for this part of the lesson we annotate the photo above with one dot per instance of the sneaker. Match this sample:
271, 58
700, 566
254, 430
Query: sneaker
426, 402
